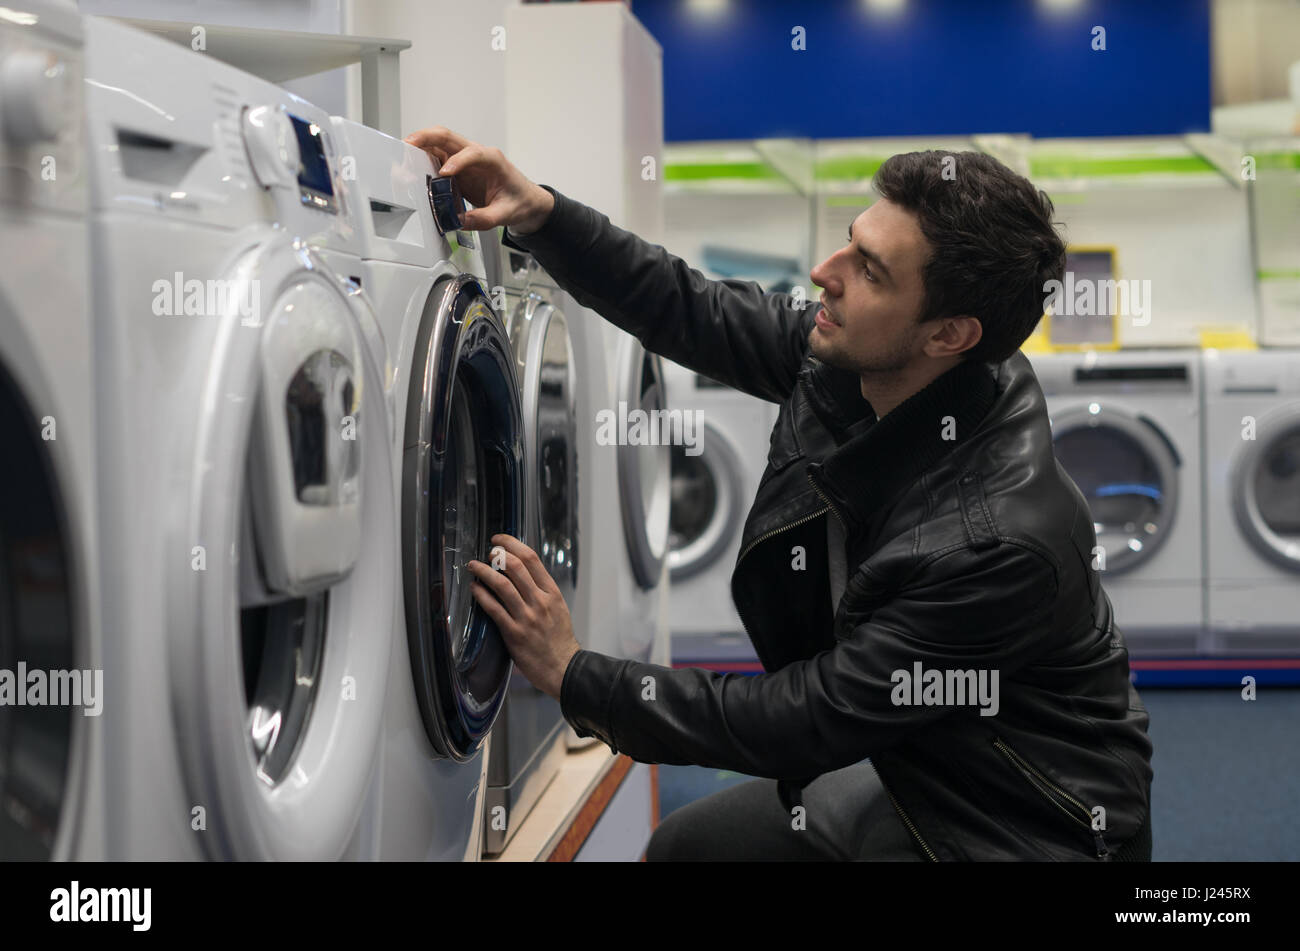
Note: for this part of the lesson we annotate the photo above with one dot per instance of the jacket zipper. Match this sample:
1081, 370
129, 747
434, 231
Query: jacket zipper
903, 815
1047, 788
829, 506
776, 531
783, 528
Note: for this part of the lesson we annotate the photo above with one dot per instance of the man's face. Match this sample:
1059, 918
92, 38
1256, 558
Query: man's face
872, 294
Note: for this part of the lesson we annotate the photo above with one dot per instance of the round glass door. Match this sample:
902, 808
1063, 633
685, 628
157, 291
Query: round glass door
1266, 489
1127, 473
463, 482
645, 470
706, 504
544, 361
37, 636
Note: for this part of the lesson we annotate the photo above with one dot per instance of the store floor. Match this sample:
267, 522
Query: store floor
1227, 776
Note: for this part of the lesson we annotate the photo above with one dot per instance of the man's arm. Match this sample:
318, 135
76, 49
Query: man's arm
729, 330
836, 708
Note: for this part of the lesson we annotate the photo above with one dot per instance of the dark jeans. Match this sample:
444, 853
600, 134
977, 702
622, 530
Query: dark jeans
848, 817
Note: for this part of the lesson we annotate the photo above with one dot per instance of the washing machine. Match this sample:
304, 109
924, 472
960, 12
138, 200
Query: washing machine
248, 543
459, 470
644, 472
51, 755
1127, 429
715, 475
529, 742
1252, 504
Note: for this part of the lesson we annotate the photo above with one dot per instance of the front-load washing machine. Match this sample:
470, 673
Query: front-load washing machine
621, 431
51, 747
603, 551
714, 480
248, 539
458, 449
1252, 503
1127, 429
643, 463
528, 744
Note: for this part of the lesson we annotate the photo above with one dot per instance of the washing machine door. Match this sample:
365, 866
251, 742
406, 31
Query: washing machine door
37, 631
707, 503
1128, 471
1265, 486
644, 463
539, 335
462, 482
281, 598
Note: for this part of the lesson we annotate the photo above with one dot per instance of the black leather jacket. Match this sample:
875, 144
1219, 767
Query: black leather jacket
968, 547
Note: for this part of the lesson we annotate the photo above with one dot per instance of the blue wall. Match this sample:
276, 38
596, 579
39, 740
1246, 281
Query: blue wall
936, 67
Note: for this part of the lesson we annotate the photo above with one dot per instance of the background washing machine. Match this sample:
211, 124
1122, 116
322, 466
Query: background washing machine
712, 490
528, 743
1127, 429
247, 543
645, 500
1252, 504
51, 757
452, 363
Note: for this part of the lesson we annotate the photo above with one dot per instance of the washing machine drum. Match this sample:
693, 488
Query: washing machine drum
1266, 489
36, 630
1127, 470
463, 481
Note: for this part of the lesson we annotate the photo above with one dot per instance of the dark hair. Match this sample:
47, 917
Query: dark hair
992, 239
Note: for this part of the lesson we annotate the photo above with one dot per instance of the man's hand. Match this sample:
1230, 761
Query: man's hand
529, 610
500, 193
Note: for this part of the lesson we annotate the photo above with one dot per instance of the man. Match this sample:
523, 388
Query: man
943, 675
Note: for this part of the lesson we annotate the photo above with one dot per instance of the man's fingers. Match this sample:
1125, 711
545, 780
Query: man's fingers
472, 154
439, 137
482, 219
492, 608
536, 570
517, 571
503, 587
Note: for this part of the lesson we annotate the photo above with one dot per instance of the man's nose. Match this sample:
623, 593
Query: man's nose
823, 276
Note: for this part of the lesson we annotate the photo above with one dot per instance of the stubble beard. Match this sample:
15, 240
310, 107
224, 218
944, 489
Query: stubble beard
882, 365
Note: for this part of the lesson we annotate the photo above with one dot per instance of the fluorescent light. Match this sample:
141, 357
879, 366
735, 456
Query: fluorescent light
708, 9
887, 7
1060, 6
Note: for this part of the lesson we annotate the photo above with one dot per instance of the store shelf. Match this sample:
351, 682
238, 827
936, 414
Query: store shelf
567, 812
279, 56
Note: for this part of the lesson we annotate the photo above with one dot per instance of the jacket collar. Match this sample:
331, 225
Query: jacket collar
878, 459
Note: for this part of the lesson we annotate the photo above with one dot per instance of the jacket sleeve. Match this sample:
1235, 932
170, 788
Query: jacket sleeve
969, 611
729, 330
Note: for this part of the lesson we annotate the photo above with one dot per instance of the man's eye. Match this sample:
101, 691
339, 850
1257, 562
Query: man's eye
866, 269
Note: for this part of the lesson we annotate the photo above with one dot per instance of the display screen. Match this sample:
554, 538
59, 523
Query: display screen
313, 169
1085, 312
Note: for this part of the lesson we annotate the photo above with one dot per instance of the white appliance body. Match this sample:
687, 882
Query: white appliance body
602, 551
1127, 429
643, 465
52, 758
248, 540
1252, 500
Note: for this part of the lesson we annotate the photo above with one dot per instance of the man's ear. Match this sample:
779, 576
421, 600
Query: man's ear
954, 335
